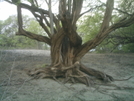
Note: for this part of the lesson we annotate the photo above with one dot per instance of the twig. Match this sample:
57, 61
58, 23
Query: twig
113, 85
123, 79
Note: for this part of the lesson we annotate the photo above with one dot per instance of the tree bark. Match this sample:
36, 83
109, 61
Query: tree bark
65, 64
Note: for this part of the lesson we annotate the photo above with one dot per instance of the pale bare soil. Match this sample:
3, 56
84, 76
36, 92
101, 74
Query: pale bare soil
15, 84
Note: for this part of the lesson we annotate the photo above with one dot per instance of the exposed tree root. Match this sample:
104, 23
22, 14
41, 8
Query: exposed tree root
97, 74
75, 73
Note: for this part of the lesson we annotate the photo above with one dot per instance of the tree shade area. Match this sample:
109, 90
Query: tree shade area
61, 30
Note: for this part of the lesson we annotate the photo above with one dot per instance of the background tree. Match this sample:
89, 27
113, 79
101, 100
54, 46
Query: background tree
121, 40
10, 40
66, 44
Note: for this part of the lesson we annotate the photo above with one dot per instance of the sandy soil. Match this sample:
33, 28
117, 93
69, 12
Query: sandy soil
15, 84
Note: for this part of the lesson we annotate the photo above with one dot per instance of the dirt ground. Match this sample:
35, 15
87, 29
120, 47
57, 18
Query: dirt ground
16, 85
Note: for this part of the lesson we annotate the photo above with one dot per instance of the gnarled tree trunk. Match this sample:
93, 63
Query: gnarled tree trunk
66, 63
66, 45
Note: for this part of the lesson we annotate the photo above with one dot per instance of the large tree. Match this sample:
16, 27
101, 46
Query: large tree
66, 44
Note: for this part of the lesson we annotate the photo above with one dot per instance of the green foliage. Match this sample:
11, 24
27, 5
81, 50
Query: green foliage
43, 65
34, 27
90, 25
126, 6
128, 48
16, 1
121, 40
8, 29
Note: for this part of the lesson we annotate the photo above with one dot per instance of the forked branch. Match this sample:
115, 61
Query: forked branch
104, 31
34, 36
40, 15
51, 17
40, 19
21, 31
97, 40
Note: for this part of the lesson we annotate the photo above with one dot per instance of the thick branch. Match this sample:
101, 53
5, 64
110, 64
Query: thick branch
56, 42
34, 9
69, 5
20, 22
62, 6
40, 20
35, 36
107, 16
99, 38
51, 18
29, 34
105, 24
76, 9
48, 24
124, 12
42, 13
122, 39
36, 3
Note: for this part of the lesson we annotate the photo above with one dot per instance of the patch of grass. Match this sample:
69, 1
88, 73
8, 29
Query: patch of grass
43, 65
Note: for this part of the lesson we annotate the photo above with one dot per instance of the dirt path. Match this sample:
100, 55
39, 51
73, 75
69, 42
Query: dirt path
15, 85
